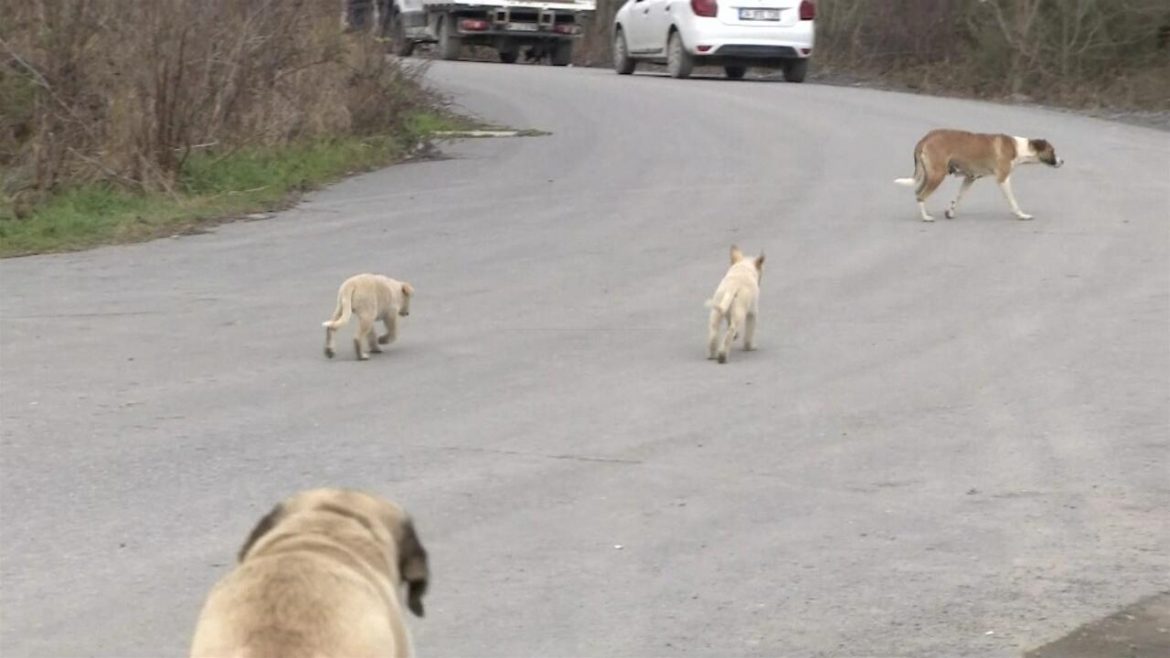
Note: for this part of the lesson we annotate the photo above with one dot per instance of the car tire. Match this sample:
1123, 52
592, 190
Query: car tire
562, 54
679, 63
399, 44
509, 56
622, 62
735, 72
449, 43
795, 69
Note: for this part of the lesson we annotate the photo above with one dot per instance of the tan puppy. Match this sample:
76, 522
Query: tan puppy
371, 297
972, 156
737, 299
318, 577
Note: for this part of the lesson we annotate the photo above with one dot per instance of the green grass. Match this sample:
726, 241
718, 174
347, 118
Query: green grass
213, 187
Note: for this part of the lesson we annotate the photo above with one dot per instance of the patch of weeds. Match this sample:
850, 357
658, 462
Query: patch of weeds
212, 187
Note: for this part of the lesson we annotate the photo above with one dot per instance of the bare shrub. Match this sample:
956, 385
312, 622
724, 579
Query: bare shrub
123, 91
1080, 52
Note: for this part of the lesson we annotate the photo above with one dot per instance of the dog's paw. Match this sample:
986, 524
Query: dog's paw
384, 340
363, 357
927, 218
722, 358
1023, 216
328, 352
950, 213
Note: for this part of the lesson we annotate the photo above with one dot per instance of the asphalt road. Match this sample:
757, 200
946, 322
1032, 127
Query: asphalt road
952, 441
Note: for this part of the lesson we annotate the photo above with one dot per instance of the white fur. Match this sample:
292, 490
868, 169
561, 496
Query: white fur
371, 297
736, 300
1024, 152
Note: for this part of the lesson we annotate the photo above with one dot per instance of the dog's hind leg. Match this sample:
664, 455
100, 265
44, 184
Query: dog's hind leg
749, 331
929, 185
715, 320
372, 340
735, 320
365, 327
329, 349
966, 185
391, 335
1006, 186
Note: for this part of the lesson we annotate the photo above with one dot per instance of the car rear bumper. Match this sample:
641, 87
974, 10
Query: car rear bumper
753, 51
710, 38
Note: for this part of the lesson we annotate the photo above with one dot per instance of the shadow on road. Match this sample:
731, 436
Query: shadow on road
1141, 630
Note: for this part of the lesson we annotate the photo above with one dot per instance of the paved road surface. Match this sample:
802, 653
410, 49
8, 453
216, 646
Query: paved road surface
952, 441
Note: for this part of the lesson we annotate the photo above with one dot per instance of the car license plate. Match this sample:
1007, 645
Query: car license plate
759, 14
523, 27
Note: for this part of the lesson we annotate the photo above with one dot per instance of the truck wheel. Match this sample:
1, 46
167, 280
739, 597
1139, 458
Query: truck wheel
735, 72
622, 62
449, 42
508, 50
402, 46
679, 63
795, 69
562, 54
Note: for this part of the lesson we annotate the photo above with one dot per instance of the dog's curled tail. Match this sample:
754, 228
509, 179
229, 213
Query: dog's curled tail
342, 312
723, 304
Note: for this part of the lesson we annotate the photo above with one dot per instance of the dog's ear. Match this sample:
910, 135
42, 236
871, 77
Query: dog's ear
267, 523
760, 262
736, 255
1039, 145
412, 567
407, 289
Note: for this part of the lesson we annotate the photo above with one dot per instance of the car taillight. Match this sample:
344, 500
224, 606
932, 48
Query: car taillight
473, 24
708, 8
808, 10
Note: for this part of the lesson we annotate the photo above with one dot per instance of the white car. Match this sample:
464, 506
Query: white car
734, 34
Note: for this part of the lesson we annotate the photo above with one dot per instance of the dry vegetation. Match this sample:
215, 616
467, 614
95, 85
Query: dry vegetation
1081, 53
124, 93
120, 119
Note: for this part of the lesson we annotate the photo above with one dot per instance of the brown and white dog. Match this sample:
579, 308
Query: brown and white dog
319, 576
973, 156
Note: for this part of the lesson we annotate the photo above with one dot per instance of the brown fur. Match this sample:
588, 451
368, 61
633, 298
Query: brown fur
319, 576
973, 156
